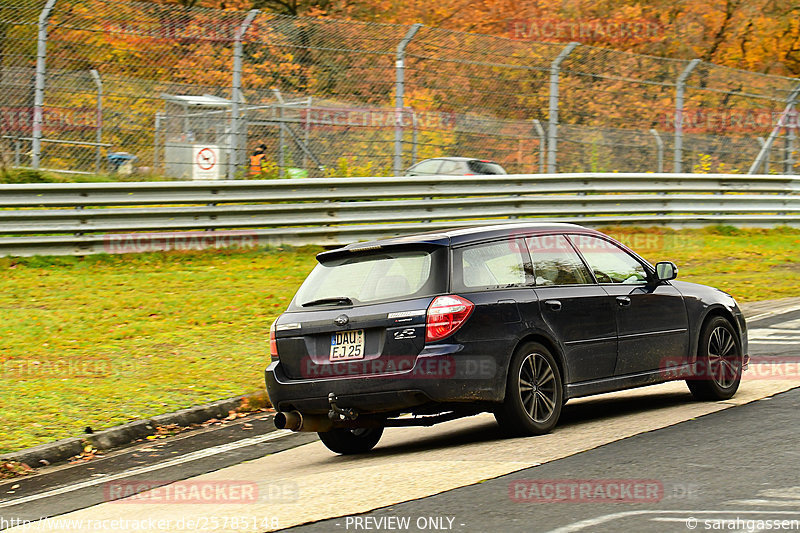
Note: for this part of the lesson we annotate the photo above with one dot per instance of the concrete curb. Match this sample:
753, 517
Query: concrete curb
52, 452
64, 449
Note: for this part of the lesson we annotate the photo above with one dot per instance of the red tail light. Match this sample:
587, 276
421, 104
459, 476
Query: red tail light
273, 342
445, 315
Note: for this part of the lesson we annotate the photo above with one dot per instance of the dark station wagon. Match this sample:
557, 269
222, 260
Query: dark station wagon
513, 319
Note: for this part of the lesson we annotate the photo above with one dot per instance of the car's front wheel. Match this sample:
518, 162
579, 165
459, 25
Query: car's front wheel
718, 370
351, 441
534, 393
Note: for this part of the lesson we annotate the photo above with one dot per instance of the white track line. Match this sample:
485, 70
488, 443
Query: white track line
193, 456
776, 312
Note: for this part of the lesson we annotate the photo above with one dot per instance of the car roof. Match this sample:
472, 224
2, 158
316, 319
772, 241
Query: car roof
457, 158
462, 235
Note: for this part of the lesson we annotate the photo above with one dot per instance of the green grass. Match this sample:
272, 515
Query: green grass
151, 333
39, 176
144, 334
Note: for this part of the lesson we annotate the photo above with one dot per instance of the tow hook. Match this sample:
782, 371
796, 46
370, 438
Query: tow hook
339, 413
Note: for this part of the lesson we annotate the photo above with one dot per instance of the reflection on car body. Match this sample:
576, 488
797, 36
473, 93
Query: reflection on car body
454, 166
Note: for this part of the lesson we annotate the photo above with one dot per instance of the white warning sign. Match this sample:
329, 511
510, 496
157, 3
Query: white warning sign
205, 162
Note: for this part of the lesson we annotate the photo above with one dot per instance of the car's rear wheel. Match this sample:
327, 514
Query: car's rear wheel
351, 441
534, 393
718, 370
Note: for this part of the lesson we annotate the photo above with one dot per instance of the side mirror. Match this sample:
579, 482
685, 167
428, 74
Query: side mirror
666, 270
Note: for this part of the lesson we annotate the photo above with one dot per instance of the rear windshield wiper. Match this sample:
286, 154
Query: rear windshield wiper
338, 300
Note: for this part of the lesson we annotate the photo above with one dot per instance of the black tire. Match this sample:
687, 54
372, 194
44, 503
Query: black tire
534, 393
718, 370
351, 441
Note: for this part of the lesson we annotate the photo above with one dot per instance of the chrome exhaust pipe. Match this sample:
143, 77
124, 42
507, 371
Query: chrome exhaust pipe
292, 420
296, 421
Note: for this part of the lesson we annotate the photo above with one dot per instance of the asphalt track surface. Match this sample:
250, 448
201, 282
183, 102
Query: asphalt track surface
736, 470
709, 457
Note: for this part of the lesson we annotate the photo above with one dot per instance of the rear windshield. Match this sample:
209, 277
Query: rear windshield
373, 277
485, 167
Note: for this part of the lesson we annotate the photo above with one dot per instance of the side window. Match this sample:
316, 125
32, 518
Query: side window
555, 262
425, 168
450, 167
491, 265
610, 263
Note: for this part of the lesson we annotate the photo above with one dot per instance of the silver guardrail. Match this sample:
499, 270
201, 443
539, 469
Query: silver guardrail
88, 218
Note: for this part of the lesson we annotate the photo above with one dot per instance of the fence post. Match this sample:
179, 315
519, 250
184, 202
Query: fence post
542, 144
400, 73
552, 142
236, 94
765, 160
41, 74
157, 140
307, 131
281, 136
414, 137
790, 138
680, 88
767, 146
659, 151
99, 120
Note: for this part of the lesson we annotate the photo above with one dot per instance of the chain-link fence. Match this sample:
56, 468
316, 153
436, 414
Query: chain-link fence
100, 86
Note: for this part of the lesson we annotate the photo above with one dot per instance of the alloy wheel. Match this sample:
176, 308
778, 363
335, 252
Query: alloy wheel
723, 357
537, 387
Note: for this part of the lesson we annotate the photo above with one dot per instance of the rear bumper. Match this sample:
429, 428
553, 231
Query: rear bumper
439, 375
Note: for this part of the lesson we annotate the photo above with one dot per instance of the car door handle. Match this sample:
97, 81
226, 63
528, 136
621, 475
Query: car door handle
623, 301
555, 305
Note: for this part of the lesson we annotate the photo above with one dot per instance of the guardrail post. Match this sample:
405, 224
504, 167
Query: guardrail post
542, 144
659, 151
41, 75
400, 73
552, 142
99, 120
767, 146
680, 88
236, 95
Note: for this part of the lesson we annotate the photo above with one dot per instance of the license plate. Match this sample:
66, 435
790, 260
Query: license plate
347, 345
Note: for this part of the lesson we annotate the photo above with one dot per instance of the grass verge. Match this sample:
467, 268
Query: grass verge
102, 340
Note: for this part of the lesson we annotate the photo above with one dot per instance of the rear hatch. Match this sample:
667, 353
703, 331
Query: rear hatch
361, 312
479, 166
